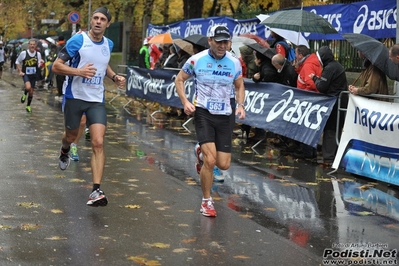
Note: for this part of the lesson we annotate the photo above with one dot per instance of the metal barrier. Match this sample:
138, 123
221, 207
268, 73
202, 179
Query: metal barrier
121, 91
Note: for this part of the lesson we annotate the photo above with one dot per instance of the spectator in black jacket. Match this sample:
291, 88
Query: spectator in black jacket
267, 72
172, 59
332, 82
286, 73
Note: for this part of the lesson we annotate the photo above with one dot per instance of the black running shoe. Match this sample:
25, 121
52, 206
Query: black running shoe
63, 160
97, 198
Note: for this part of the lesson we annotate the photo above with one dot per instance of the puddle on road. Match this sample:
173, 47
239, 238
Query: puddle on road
295, 198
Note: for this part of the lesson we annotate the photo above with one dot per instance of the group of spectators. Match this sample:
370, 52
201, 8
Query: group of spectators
152, 56
317, 72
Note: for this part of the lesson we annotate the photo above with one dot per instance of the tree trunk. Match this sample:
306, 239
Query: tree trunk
193, 9
147, 15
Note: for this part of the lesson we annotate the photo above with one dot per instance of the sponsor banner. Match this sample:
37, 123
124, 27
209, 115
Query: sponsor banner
287, 111
374, 18
369, 145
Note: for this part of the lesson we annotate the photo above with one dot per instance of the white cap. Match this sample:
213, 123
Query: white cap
1, 42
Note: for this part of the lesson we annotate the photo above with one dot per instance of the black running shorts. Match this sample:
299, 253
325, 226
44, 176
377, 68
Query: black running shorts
214, 128
74, 109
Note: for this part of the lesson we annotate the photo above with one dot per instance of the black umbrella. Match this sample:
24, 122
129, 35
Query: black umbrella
268, 52
375, 51
198, 39
300, 21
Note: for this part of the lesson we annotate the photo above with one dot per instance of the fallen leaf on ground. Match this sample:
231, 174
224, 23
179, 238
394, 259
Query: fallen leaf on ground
29, 204
189, 240
364, 213
133, 206
180, 250
156, 245
246, 216
77, 180
56, 238
30, 226
4, 227
57, 211
241, 257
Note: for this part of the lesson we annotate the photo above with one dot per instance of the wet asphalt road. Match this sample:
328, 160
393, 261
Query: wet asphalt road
272, 209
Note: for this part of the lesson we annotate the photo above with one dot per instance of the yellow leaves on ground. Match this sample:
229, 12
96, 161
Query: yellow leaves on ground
323, 179
56, 238
393, 226
189, 240
180, 250
57, 211
131, 206
190, 181
285, 167
28, 227
241, 257
247, 216
120, 159
247, 151
143, 261
163, 208
59, 176
29, 205
147, 169
186, 211
4, 227
76, 180
30, 171
364, 213
270, 209
156, 245
177, 151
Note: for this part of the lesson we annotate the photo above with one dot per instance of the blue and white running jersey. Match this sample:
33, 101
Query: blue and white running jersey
82, 51
214, 80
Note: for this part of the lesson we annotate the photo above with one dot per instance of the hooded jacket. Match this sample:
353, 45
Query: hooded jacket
333, 78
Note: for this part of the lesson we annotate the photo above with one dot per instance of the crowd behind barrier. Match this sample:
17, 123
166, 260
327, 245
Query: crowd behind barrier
294, 113
290, 112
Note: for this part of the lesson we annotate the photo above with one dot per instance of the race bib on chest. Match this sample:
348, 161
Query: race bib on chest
96, 80
30, 70
218, 106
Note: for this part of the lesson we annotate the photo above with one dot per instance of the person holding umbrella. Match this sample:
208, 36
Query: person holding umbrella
394, 54
372, 80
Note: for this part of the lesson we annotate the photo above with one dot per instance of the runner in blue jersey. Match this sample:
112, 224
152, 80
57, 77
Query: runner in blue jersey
216, 72
88, 56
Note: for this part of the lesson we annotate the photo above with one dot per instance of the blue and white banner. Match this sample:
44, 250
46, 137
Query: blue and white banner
369, 144
374, 18
287, 111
